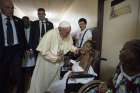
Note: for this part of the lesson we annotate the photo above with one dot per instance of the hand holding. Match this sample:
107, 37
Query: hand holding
29, 52
60, 58
60, 55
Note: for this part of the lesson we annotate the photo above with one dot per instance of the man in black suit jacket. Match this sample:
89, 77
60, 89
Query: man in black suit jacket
36, 29
11, 53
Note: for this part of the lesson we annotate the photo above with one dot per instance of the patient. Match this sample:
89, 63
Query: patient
87, 54
86, 58
127, 76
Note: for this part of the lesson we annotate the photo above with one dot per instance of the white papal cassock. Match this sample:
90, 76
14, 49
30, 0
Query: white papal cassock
47, 68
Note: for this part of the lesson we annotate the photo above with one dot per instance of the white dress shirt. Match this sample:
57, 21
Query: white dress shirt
79, 36
4, 21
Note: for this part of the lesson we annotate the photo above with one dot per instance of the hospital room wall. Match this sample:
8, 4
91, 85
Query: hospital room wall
116, 31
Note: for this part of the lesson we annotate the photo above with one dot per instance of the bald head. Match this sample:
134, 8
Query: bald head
7, 8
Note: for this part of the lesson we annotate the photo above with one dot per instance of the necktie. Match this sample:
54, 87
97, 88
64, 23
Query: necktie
10, 38
42, 30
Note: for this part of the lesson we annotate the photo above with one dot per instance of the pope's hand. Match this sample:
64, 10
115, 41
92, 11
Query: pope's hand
60, 55
60, 58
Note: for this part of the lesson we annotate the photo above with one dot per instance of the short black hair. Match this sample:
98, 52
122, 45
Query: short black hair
131, 52
41, 9
82, 20
25, 17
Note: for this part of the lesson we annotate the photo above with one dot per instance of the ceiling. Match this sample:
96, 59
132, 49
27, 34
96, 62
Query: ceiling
53, 7
57, 10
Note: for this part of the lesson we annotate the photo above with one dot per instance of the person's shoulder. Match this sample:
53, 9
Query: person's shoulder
93, 30
35, 21
31, 22
88, 31
17, 18
48, 21
52, 31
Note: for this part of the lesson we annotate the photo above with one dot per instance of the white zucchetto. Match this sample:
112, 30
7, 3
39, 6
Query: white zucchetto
64, 24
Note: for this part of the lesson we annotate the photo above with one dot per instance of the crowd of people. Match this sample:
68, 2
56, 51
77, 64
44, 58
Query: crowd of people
32, 53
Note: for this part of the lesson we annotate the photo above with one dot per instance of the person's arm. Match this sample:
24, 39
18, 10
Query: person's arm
45, 50
88, 35
52, 57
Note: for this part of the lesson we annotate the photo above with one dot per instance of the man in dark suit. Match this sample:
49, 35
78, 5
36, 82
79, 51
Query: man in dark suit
38, 29
29, 60
12, 49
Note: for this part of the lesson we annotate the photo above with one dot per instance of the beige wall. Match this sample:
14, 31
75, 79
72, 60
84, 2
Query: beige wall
115, 33
138, 22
